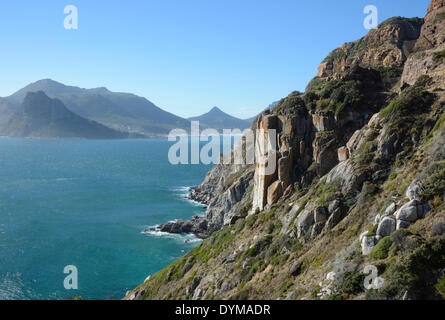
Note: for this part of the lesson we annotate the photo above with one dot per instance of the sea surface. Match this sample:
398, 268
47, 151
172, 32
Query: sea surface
87, 204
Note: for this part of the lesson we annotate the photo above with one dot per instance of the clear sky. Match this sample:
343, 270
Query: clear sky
186, 56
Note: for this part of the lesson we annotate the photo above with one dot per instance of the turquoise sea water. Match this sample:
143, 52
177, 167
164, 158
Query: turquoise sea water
86, 203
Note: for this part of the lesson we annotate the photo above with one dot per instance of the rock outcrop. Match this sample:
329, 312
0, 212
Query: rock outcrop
429, 51
387, 46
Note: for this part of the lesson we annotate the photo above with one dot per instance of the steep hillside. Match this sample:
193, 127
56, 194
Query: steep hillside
42, 117
121, 111
360, 182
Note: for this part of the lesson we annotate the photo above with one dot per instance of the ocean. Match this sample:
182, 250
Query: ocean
87, 204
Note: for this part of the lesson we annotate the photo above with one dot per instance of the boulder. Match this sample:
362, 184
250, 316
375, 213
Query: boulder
305, 221
386, 227
414, 191
438, 228
274, 192
368, 244
391, 209
401, 224
424, 209
321, 215
410, 211
296, 268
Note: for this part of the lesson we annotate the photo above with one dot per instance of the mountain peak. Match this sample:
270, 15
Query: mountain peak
216, 109
218, 119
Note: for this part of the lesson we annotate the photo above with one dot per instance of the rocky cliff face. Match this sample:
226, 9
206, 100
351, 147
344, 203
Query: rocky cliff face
387, 46
359, 181
429, 51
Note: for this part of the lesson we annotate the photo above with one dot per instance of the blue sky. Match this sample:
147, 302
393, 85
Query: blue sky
185, 56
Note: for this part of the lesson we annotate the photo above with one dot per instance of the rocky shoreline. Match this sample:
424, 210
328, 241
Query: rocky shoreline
198, 226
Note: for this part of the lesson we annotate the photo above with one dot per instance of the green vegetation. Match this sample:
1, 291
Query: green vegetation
439, 57
326, 192
257, 266
286, 286
390, 75
251, 220
292, 104
415, 96
315, 292
400, 21
372, 232
439, 17
352, 283
365, 154
393, 175
258, 247
414, 270
440, 286
380, 251
434, 183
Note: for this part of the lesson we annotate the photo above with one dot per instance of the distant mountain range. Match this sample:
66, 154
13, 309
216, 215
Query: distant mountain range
42, 117
219, 120
121, 112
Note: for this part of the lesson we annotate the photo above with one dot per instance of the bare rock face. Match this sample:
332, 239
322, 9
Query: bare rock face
355, 141
304, 221
321, 214
343, 154
433, 30
429, 49
325, 151
284, 171
274, 192
281, 152
323, 122
387, 46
